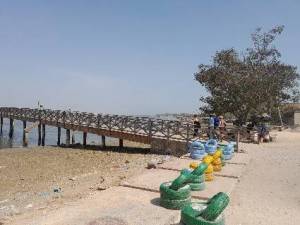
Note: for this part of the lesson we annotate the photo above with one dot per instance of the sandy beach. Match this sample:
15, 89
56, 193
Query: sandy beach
41, 176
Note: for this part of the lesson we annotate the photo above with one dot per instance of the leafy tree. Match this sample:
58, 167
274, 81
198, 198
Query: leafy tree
253, 82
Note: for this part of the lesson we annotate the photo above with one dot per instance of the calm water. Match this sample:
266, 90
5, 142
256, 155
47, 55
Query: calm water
51, 136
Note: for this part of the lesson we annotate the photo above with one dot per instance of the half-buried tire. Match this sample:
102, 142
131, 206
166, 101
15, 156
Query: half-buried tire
190, 216
167, 193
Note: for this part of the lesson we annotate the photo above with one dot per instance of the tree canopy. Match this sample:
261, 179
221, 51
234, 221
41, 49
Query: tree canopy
253, 82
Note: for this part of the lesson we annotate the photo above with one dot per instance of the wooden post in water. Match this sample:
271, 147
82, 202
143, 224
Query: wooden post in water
68, 134
73, 138
11, 128
43, 134
58, 135
84, 138
25, 134
1, 124
121, 143
39, 134
103, 141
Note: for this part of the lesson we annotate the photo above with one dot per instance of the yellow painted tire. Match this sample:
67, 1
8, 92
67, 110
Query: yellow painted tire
194, 165
208, 159
210, 169
209, 177
217, 161
217, 168
217, 154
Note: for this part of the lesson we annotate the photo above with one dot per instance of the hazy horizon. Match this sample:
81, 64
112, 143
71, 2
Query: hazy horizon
126, 57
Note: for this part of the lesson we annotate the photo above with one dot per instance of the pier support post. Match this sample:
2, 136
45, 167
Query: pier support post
25, 134
73, 138
1, 124
84, 138
58, 135
43, 134
68, 134
39, 134
121, 143
103, 141
11, 128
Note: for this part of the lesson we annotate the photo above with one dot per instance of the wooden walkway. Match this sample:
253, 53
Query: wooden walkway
145, 130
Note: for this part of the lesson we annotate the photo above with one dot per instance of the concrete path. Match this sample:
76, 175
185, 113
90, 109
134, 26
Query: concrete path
269, 191
137, 201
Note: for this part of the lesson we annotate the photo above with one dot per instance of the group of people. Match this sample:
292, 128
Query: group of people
216, 127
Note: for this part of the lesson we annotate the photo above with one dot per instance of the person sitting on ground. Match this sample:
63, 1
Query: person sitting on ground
197, 125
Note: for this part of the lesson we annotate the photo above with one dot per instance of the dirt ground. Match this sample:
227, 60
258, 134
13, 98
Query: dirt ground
38, 177
269, 191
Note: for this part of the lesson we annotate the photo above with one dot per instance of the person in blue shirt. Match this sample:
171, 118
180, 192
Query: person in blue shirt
216, 122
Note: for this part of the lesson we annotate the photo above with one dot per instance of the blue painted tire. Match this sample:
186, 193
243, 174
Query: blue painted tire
197, 156
227, 157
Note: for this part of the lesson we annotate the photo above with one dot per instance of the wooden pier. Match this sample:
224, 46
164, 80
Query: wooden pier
170, 136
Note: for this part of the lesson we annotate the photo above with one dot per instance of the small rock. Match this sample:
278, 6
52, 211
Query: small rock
28, 206
72, 178
151, 165
101, 188
122, 177
57, 190
102, 179
127, 161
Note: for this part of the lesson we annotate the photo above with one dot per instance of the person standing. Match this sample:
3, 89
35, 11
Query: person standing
197, 125
211, 126
222, 127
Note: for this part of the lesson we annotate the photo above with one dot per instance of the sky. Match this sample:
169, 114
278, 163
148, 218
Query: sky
127, 56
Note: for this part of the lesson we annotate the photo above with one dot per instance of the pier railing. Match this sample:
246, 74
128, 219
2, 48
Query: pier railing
134, 125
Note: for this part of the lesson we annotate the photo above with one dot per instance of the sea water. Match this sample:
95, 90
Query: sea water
51, 136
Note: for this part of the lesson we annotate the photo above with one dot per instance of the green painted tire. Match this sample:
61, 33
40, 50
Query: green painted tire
197, 179
200, 169
167, 193
197, 186
174, 204
190, 216
179, 182
193, 178
215, 207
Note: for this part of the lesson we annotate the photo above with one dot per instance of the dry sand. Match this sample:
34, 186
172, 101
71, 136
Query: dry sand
38, 177
269, 191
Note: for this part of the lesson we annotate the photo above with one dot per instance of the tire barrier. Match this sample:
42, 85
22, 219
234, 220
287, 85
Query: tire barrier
200, 169
193, 165
174, 204
179, 181
196, 182
197, 186
211, 146
217, 162
190, 216
215, 207
228, 151
197, 150
171, 199
209, 213
209, 176
208, 159
167, 193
